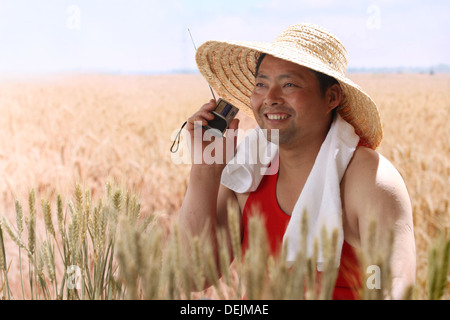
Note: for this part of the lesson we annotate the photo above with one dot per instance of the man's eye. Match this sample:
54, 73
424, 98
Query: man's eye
260, 85
289, 85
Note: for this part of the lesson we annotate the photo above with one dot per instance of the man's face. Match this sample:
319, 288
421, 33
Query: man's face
287, 97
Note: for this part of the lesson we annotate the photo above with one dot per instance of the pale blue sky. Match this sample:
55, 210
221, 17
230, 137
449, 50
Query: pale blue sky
151, 36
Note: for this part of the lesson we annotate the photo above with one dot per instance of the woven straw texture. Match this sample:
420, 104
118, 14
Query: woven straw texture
229, 67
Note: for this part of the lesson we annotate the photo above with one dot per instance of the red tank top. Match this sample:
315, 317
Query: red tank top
265, 201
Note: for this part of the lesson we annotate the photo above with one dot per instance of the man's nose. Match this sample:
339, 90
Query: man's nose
274, 97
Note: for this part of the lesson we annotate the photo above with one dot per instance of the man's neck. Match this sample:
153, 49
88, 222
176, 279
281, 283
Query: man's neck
299, 159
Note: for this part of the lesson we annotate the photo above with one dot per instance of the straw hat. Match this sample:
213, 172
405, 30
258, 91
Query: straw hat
229, 67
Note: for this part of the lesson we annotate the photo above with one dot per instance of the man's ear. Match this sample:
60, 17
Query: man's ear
334, 96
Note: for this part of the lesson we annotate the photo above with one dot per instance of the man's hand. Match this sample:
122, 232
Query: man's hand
201, 140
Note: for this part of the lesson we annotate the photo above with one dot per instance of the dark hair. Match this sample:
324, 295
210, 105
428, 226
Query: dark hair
258, 63
325, 81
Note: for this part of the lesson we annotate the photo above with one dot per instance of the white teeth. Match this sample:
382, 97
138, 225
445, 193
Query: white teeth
276, 117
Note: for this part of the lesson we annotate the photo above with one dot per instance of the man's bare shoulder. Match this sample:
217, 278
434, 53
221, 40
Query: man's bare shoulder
370, 169
372, 180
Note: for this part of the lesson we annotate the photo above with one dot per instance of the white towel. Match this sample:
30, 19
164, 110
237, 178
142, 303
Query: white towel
320, 196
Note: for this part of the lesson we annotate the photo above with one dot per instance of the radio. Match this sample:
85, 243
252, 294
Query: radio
223, 115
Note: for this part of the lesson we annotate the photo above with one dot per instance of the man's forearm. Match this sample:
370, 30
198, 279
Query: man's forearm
199, 208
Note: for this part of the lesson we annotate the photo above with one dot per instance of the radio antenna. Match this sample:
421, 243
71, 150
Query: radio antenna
195, 47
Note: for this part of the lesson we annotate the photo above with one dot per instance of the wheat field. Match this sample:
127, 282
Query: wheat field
90, 130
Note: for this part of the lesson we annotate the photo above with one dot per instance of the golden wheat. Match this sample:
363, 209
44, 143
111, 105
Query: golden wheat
140, 264
88, 130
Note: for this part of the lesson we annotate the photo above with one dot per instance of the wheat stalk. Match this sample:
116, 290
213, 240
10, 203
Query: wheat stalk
123, 255
5, 225
32, 222
46, 209
438, 267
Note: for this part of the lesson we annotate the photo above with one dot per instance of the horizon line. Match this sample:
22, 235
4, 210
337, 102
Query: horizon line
435, 69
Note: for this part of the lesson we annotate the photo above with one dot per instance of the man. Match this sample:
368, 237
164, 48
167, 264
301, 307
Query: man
297, 88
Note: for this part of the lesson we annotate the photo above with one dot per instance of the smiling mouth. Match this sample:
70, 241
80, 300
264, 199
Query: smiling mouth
277, 116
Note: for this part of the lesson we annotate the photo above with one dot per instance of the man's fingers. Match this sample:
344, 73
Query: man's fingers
203, 115
210, 106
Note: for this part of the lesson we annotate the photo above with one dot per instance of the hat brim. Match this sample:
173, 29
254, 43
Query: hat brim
229, 67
